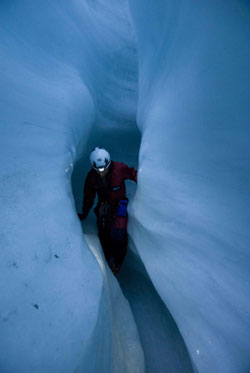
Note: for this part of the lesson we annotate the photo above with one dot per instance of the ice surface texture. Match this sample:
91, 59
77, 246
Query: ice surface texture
191, 211
55, 309
69, 67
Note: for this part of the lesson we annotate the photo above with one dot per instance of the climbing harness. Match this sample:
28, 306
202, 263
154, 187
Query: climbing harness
103, 215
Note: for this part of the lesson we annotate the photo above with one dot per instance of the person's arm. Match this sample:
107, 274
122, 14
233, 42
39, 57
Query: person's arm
88, 197
130, 173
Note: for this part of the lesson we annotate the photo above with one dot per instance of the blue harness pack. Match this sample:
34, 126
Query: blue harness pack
122, 210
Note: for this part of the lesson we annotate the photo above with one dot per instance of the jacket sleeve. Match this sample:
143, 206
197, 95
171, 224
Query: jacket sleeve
89, 193
130, 173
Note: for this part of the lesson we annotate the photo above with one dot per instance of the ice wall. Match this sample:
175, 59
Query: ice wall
55, 307
191, 211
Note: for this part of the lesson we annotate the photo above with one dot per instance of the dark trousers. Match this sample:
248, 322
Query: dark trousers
114, 241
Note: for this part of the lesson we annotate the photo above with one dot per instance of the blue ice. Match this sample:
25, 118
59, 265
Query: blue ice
165, 87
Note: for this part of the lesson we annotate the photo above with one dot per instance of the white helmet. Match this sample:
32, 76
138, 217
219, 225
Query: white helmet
99, 158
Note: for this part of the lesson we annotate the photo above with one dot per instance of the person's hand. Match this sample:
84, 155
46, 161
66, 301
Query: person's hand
81, 216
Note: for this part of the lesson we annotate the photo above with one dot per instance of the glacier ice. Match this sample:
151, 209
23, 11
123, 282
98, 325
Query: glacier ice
55, 310
74, 74
193, 113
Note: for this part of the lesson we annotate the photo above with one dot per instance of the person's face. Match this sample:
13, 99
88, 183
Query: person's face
102, 171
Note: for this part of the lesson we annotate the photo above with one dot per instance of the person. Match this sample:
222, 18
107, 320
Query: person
106, 178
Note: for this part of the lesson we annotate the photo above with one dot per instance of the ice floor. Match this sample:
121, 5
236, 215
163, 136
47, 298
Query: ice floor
162, 344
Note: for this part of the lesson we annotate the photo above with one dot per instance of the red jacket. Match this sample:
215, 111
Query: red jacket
111, 188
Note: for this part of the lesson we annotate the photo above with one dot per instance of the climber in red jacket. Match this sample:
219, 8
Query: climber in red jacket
106, 178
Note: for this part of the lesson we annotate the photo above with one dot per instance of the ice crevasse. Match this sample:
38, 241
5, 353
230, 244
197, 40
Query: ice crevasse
81, 70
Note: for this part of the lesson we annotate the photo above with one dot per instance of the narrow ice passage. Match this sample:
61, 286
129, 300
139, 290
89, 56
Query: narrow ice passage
162, 344
74, 72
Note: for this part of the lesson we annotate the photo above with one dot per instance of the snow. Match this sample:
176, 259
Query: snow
84, 73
